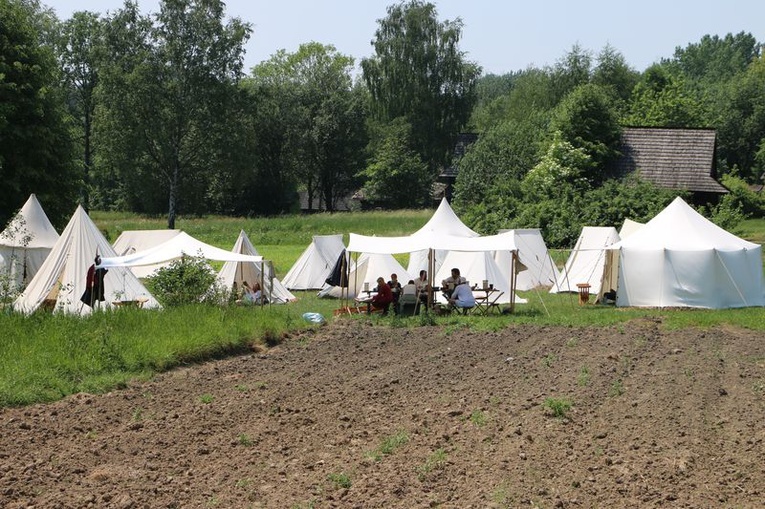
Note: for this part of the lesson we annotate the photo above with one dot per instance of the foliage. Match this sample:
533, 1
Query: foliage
562, 170
632, 198
661, 99
506, 152
79, 46
613, 72
418, 72
558, 407
319, 136
166, 94
395, 177
187, 280
587, 119
36, 149
741, 123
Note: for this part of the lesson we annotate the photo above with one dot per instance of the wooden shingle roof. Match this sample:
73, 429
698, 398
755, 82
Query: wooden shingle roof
682, 159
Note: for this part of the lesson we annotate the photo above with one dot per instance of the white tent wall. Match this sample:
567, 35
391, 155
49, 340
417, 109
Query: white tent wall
63, 276
532, 252
587, 261
367, 269
26, 242
238, 272
681, 259
475, 267
311, 269
133, 241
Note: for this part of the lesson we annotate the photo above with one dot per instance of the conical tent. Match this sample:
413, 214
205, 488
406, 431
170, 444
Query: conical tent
681, 259
587, 263
532, 252
443, 222
26, 242
310, 271
366, 270
629, 227
237, 272
134, 241
62, 278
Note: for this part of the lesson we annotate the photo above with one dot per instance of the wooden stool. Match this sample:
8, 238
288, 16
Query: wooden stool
584, 293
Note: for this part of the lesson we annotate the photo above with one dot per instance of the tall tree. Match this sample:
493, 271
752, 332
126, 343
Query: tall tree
587, 119
78, 54
168, 91
661, 99
36, 150
419, 73
321, 118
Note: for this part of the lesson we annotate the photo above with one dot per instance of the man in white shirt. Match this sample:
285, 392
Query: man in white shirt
462, 297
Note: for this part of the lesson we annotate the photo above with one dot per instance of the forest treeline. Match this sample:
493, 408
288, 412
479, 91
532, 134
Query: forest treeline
155, 114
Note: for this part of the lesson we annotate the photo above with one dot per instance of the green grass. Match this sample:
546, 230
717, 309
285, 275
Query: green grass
45, 357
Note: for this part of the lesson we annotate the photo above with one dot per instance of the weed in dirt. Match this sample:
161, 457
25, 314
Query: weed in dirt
427, 319
583, 379
244, 440
478, 417
549, 360
572, 342
389, 445
206, 398
244, 483
341, 480
242, 388
138, 414
617, 388
436, 461
502, 496
758, 387
558, 407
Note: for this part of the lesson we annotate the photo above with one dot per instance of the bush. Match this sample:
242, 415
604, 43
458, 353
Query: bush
186, 281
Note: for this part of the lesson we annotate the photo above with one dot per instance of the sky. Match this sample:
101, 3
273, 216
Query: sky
500, 35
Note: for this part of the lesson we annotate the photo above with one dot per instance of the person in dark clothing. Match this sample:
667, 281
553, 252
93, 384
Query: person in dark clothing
395, 287
94, 286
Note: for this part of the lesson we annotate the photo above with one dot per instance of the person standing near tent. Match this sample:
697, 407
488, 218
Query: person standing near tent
94, 286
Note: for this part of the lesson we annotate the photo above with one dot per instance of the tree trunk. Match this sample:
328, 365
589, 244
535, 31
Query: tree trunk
88, 161
173, 198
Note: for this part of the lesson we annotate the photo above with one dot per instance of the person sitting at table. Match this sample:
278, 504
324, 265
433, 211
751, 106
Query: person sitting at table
382, 299
462, 297
395, 287
408, 296
450, 283
422, 286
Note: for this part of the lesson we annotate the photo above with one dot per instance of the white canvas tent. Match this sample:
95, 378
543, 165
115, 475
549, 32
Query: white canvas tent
679, 258
366, 270
26, 242
628, 228
533, 254
62, 278
133, 241
237, 272
180, 245
310, 271
433, 243
587, 262
443, 222
477, 267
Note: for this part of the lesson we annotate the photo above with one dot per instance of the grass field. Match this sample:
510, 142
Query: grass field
45, 357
